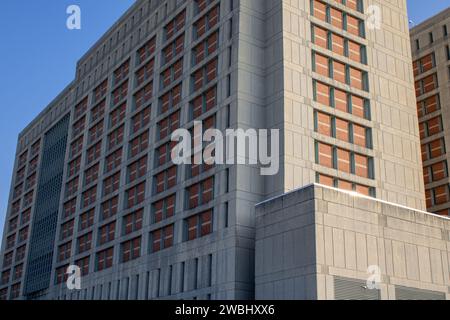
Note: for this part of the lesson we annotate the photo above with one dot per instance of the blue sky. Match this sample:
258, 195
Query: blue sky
39, 55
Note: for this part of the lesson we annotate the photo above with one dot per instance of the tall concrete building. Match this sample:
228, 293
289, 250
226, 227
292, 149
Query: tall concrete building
94, 184
430, 44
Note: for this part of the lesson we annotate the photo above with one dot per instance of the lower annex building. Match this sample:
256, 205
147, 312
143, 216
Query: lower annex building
94, 184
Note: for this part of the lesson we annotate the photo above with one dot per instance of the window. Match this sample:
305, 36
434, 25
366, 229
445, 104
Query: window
133, 222
120, 93
145, 73
33, 164
64, 251
20, 253
440, 194
203, 103
198, 226
424, 64
35, 148
74, 167
166, 179
431, 38
111, 184
139, 144
18, 191
13, 223
98, 111
10, 241
31, 181
23, 235
78, 127
433, 149
67, 230
93, 153
71, 187
100, 91
95, 132
61, 275
87, 220
89, 197
122, 72
146, 50
172, 74
91, 174
135, 195
26, 216
205, 75
137, 169
206, 23
143, 96
4, 294
445, 30
18, 271
131, 249
439, 171
163, 153
118, 115
69, 208
141, 120
107, 233
113, 161
200, 193
164, 209
162, 238
169, 125
15, 207
200, 5
417, 44
173, 49
28, 199
84, 243
170, 99
109, 208
205, 48
105, 259
344, 160
76, 147
175, 25
81, 108
5, 277
22, 159
115, 138
431, 127
20, 175
429, 105
83, 264
15, 291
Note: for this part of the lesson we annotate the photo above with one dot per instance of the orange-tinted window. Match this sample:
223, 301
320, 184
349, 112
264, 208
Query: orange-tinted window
324, 124
343, 160
325, 155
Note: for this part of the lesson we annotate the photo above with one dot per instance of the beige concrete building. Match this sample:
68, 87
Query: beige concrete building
319, 243
340, 91
430, 44
346, 93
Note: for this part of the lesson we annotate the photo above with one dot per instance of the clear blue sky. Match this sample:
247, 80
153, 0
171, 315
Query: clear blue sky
38, 56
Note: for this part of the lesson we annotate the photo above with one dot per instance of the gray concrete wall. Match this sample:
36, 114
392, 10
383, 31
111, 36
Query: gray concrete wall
307, 239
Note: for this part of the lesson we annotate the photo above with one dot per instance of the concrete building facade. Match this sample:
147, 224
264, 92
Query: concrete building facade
430, 47
323, 243
93, 182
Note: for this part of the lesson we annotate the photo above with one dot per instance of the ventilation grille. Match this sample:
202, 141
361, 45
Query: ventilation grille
351, 289
404, 293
